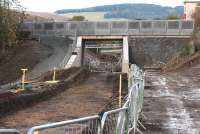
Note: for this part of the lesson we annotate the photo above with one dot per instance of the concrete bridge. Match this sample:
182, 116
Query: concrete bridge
143, 41
131, 28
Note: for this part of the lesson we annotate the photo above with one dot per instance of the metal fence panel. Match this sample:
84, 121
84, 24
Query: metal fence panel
146, 28
119, 25
159, 27
142, 27
9, 131
48, 26
133, 25
87, 125
187, 25
115, 122
102, 25
86, 25
173, 24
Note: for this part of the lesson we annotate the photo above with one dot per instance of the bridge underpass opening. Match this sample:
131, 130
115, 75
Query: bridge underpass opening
104, 54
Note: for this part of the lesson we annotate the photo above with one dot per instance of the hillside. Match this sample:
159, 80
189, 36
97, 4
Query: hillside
129, 11
42, 16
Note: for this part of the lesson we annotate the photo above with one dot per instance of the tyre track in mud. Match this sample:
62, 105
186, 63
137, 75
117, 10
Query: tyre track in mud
172, 101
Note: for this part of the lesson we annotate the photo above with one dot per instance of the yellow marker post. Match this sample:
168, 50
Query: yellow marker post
36, 132
53, 81
120, 90
54, 74
23, 78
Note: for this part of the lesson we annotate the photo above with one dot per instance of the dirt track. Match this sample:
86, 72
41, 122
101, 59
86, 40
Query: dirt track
88, 98
172, 101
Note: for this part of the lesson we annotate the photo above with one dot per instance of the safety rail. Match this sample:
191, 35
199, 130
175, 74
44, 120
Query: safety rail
119, 121
87, 125
134, 27
9, 131
115, 121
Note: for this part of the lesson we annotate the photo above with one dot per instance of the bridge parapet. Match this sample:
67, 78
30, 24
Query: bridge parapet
136, 27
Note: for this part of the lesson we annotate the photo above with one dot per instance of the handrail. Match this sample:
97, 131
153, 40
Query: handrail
9, 131
110, 112
125, 28
60, 124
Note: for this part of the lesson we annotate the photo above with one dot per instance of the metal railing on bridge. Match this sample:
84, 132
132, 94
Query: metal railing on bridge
119, 121
134, 27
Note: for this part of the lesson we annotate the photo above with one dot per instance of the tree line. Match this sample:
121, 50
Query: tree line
11, 16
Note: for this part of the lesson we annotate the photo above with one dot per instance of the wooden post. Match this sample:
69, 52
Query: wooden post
120, 90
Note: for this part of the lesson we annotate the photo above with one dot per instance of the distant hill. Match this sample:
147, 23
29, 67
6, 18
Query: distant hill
130, 11
42, 16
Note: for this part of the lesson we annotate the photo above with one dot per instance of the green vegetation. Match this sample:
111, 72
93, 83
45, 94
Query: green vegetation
187, 50
173, 17
90, 16
196, 38
78, 18
196, 17
196, 33
10, 19
129, 11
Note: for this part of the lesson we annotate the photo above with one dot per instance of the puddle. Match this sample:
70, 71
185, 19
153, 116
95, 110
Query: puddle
192, 94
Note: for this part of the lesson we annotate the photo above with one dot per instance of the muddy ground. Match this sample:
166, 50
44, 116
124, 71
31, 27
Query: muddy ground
172, 101
88, 98
37, 57
27, 55
11, 101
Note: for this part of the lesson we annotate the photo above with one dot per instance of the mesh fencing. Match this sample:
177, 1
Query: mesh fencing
110, 27
9, 131
115, 122
87, 125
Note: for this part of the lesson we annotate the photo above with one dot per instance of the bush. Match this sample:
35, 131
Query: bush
78, 18
196, 37
173, 17
187, 50
196, 17
23, 34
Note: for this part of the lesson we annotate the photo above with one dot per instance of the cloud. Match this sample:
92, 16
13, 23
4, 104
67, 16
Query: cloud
53, 5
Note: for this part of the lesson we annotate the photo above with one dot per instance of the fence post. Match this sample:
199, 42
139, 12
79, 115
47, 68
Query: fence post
127, 121
120, 90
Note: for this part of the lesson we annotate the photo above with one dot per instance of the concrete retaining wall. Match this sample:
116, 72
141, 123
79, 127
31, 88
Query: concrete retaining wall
147, 51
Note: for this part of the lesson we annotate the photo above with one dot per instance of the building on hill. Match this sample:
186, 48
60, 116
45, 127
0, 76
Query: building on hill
189, 8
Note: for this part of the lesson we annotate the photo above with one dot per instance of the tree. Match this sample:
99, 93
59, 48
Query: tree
196, 17
78, 18
173, 17
10, 17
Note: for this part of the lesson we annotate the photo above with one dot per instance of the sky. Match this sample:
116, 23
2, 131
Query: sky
53, 5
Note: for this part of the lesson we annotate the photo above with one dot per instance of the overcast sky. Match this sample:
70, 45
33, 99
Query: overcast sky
53, 5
